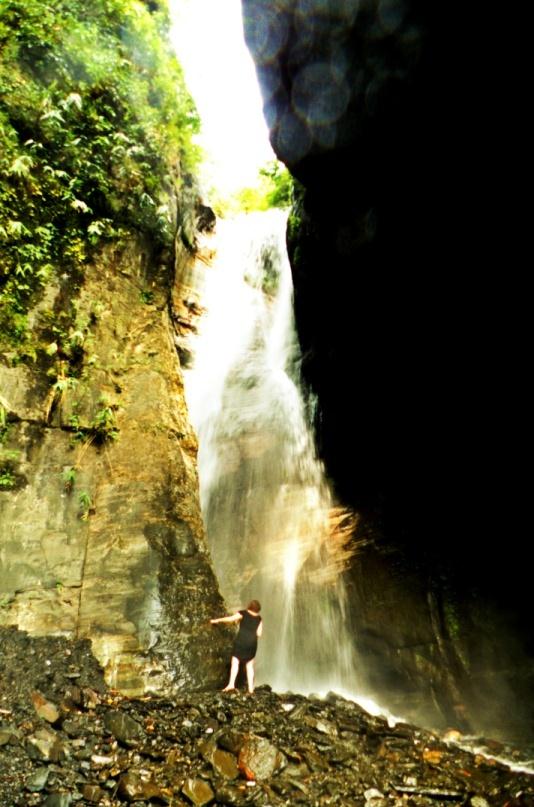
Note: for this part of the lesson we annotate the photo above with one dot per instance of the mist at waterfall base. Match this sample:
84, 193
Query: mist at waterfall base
267, 507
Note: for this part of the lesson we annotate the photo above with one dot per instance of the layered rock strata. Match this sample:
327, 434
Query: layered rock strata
101, 528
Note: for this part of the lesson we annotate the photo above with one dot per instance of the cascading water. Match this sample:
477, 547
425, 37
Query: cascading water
273, 531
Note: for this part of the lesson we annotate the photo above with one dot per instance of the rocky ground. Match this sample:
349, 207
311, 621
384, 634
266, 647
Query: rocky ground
65, 739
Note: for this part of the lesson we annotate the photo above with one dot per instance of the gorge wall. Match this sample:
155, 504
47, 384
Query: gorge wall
101, 533
386, 112
104, 538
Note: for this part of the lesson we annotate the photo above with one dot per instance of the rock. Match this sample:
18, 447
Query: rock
225, 764
90, 698
373, 797
124, 728
231, 741
232, 794
58, 800
99, 761
45, 709
73, 727
432, 755
7, 736
37, 780
315, 769
63, 555
198, 792
323, 726
315, 761
72, 697
258, 759
134, 787
45, 745
93, 793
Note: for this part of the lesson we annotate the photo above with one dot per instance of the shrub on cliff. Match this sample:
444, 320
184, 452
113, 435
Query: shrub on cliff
95, 124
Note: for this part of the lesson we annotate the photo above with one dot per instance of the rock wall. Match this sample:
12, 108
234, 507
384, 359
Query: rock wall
386, 113
101, 530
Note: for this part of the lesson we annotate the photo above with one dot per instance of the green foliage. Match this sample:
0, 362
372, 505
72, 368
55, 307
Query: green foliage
103, 426
8, 460
95, 122
102, 429
8, 457
452, 619
7, 478
69, 478
86, 505
147, 297
281, 181
273, 189
3, 423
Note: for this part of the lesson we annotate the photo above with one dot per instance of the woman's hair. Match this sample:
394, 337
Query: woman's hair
254, 606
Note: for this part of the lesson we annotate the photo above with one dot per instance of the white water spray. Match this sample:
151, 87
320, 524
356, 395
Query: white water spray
272, 527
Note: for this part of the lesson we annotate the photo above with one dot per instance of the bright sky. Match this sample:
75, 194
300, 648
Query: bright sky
208, 37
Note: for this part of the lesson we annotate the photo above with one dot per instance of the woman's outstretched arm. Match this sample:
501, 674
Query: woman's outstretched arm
233, 618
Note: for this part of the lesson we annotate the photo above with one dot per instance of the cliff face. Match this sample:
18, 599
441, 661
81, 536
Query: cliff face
101, 531
385, 113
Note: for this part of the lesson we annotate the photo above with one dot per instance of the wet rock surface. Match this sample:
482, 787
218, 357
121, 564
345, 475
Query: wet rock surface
214, 748
73, 552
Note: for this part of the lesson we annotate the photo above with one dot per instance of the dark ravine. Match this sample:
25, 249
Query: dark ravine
385, 113
66, 739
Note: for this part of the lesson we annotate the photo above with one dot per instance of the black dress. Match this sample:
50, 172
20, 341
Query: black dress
246, 641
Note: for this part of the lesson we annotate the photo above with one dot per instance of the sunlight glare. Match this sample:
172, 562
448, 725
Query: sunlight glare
220, 74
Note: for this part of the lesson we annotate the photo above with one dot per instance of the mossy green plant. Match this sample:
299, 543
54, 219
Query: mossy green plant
86, 505
96, 125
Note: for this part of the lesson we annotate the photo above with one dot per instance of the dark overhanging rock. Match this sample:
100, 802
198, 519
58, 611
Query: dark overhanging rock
386, 112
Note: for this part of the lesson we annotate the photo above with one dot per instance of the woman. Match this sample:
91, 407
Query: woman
246, 642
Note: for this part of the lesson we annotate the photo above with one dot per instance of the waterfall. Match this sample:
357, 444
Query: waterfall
273, 530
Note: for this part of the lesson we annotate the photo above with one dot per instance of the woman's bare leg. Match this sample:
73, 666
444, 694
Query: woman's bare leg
234, 667
250, 674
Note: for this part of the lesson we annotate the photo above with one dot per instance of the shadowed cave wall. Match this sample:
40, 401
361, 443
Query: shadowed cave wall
411, 313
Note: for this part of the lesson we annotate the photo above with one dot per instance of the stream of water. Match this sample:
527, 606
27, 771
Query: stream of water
273, 530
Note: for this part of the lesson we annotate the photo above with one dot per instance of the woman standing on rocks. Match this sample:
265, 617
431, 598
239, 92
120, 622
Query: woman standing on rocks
246, 642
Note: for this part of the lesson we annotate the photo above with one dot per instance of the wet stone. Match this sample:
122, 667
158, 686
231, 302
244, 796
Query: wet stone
58, 800
7, 736
225, 764
374, 798
72, 698
231, 741
316, 762
322, 726
37, 780
73, 727
258, 759
124, 728
233, 794
93, 793
45, 709
133, 787
198, 791
45, 745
